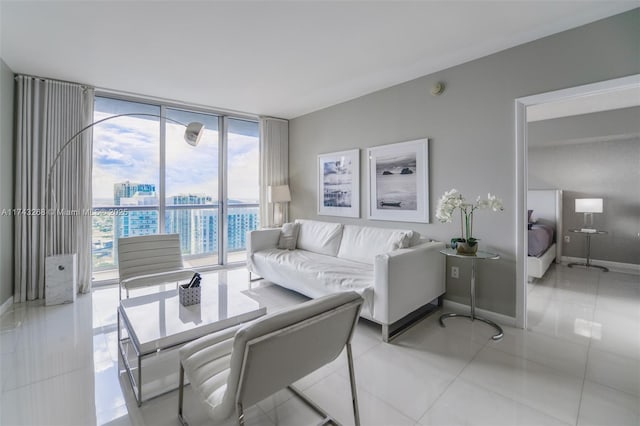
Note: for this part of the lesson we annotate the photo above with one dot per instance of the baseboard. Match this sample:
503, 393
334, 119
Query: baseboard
6, 305
490, 315
626, 268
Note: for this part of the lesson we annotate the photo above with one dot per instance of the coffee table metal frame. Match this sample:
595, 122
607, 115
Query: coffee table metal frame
132, 339
482, 255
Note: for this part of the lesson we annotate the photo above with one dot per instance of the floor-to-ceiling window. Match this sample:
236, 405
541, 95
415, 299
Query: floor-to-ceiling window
147, 179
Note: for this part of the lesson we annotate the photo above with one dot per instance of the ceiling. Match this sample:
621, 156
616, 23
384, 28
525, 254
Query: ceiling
282, 59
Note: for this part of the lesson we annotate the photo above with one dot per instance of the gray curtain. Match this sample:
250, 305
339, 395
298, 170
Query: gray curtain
274, 163
48, 113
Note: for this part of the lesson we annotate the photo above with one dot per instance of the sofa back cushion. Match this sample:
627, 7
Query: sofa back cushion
364, 243
319, 237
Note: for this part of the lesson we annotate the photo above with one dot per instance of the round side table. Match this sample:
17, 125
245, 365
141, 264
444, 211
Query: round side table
480, 255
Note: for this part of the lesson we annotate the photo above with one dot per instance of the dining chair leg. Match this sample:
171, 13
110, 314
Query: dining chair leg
181, 396
240, 414
354, 393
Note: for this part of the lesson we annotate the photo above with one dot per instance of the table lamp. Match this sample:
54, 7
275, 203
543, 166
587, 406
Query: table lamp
588, 206
277, 195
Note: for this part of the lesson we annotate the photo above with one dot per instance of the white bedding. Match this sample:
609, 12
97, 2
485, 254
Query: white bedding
537, 266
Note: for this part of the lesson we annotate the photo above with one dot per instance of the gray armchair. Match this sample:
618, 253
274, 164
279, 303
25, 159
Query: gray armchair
240, 366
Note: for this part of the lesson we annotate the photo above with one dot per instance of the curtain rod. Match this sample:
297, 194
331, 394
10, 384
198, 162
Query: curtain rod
173, 103
36, 77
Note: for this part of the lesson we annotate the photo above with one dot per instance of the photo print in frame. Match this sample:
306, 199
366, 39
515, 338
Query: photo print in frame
399, 181
339, 183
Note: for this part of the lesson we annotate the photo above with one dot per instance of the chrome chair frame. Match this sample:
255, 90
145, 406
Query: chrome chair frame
327, 419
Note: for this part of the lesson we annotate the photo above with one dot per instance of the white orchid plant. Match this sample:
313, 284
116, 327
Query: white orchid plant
452, 200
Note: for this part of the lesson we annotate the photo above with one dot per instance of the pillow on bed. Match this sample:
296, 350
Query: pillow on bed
529, 217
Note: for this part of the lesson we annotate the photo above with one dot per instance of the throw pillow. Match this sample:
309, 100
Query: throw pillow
288, 236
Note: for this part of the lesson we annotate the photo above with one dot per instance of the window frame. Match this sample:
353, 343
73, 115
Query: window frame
222, 208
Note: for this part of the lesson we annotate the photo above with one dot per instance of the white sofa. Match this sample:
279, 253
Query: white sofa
396, 272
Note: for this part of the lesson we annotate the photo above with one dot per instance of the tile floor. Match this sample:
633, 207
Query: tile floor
578, 363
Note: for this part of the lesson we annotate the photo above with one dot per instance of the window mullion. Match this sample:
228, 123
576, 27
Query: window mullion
222, 189
161, 184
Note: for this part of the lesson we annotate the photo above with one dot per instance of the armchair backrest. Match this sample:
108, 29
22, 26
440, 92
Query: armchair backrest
278, 349
148, 254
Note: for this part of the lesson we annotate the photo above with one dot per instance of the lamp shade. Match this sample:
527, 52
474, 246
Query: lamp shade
193, 133
278, 193
589, 205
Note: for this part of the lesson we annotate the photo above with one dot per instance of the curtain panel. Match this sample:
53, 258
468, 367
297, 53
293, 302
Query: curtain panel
48, 113
274, 163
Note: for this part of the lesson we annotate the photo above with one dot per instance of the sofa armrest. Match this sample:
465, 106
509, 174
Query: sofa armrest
407, 279
262, 239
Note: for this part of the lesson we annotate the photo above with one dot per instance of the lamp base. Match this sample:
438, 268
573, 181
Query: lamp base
60, 280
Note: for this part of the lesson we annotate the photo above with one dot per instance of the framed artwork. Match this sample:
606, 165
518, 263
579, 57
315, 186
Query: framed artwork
399, 181
339, 183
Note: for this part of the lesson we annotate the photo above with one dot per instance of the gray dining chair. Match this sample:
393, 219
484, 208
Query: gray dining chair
238, 367
150, 260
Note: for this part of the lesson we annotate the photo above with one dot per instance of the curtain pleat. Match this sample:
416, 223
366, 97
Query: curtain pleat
48, 114
274, 163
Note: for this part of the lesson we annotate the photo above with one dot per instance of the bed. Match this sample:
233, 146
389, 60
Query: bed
545, 228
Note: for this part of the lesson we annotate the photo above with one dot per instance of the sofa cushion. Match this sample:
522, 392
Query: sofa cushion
364, 243
288, 236
319, 237
316, 275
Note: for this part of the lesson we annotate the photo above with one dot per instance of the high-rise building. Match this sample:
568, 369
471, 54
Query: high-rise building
240, 221
129, 189
181, 220
135, 222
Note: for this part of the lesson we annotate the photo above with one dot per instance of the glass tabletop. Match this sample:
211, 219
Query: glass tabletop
478, 255
158, 320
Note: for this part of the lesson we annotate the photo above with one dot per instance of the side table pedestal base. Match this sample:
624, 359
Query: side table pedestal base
588, 265
486, 321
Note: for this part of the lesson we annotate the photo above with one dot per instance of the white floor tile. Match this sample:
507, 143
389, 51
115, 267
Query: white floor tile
66, 400
553, 352
618, 333
294, 412
550, 391
602, 406
565, 320
616, 371
439, 347
465, 403
333, 394
406, 382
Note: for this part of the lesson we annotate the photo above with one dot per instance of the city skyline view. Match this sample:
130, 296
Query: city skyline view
128, 163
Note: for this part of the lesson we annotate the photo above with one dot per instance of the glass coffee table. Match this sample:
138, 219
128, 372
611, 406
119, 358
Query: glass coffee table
156, 322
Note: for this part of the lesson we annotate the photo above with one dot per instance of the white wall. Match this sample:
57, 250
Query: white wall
471, 128
6, 180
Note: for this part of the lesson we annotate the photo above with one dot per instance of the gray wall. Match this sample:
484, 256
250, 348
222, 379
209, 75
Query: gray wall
593, 156
471, 131
6, 181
